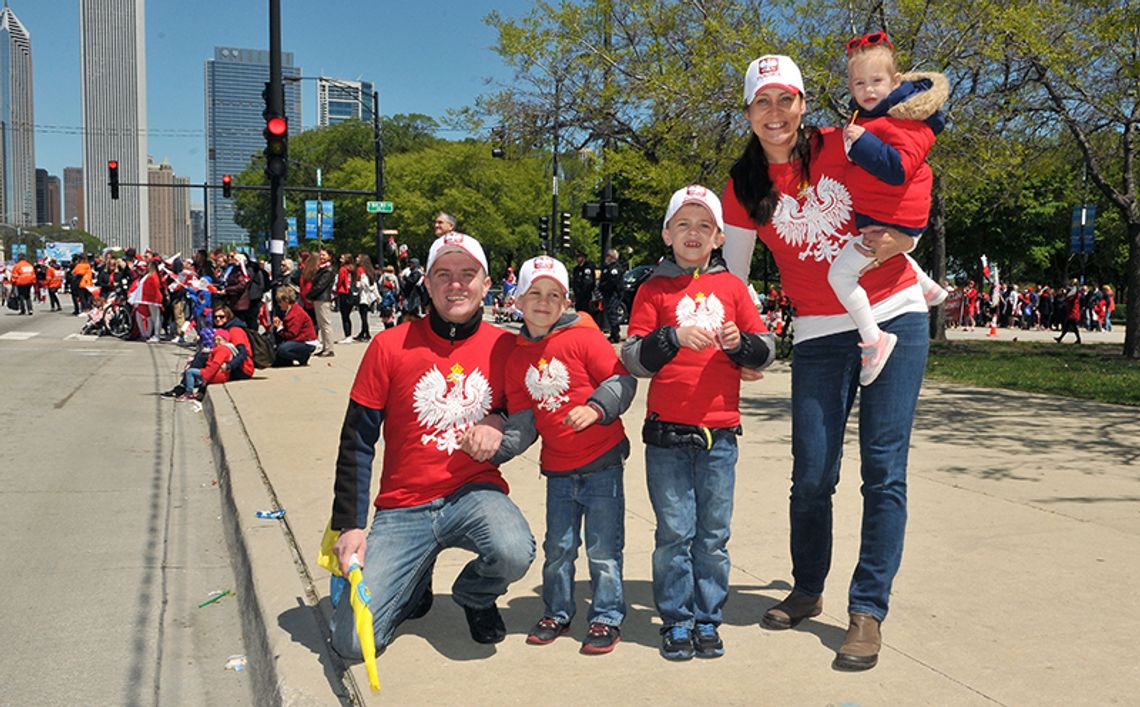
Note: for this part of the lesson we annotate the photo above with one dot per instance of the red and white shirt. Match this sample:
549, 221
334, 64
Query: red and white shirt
811, 224
553, 376
431, 391
695, 388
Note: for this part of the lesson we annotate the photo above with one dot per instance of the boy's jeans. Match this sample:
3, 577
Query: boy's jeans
402, 547
825, 379
691, 491
600, 498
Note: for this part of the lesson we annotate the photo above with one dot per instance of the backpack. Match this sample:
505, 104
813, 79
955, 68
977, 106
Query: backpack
263, 349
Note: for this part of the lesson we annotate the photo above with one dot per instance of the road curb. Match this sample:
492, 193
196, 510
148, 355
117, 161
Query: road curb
271, 579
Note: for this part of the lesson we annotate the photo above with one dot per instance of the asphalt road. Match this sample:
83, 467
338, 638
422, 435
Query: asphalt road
111, 520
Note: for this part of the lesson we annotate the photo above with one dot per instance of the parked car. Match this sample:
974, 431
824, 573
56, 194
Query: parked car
631, 281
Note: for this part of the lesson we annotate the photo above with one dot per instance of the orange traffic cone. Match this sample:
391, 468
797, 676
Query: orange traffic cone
993, 330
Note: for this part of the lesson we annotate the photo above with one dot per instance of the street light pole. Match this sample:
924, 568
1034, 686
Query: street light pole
378, 143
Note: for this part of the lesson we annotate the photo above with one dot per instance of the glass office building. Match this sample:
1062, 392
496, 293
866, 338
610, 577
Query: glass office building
339, 100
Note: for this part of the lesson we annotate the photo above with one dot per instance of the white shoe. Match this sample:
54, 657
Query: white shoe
935, 296
875, 357
346, 340
153, 340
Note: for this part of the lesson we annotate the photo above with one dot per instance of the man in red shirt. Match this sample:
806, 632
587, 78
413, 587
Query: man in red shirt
430, 381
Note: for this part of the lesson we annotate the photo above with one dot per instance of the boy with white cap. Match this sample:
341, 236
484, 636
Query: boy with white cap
692, 328
431, 382
566, 384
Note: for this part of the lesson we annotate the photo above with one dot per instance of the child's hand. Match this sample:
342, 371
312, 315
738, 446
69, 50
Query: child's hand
729, 336
750, 374
695, 338
581, 417
852, 133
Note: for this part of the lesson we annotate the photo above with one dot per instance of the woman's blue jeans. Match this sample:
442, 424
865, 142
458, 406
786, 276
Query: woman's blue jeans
691, 491
825, 379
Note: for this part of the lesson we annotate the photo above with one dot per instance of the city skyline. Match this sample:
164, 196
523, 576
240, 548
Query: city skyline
17, 119
422, 58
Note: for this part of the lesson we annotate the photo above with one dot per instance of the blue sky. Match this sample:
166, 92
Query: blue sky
425, 57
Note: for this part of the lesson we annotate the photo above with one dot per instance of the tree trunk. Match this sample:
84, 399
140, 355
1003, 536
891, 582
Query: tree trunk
937, 228
1132, 297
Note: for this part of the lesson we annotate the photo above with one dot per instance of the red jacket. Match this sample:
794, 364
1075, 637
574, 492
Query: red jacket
222, 353
343, 280
238, 337
296, 325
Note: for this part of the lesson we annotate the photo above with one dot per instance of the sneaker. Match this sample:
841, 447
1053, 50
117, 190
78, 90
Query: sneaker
707, 641
346, 340
188, 398
486, 624
676, 643
153, 340
173, 392
545, 631
935, 296
601, 638
875, 357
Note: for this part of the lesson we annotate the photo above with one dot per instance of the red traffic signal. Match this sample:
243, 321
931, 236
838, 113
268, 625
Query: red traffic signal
276, 126
113, 177
227, 185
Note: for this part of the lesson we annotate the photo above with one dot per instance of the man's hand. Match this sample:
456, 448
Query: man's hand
482, 439
695, 338
351, 542
581, 417
730, 336
883, 243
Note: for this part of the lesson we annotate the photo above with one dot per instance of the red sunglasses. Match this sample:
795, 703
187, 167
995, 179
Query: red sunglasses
868, 40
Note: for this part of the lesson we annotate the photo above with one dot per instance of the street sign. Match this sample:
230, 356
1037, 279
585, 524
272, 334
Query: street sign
1081, 233
379, 207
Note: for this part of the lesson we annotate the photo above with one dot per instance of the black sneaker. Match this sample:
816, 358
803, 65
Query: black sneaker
426, 599
545, 631
676, 643
486, 624
601, 638
173, 392
707, 641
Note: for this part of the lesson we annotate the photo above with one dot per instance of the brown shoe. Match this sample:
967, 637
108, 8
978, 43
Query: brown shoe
860, 649
795, 607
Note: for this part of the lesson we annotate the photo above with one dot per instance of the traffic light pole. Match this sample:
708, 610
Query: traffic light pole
378, 143
554, 198
275, 105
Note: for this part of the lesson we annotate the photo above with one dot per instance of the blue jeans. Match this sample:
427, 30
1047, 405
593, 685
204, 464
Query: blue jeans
825, 379
191, 379
600, 497
691, 491
404, 542
289, 351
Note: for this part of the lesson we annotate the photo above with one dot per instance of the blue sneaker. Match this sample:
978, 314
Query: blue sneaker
676, 643
707, 641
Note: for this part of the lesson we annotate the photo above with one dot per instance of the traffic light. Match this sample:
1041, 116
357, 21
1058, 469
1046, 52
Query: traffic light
600, 211
276, 146
113, 180
544, 232
497, 151
227, 186
565, 230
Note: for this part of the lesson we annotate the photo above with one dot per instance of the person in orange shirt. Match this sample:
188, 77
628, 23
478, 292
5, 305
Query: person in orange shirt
83, 280
24, 277
54, 282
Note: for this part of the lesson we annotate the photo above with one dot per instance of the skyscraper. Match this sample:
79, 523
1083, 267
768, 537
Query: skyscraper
113, 66
341, 99
235, 79
17, 123
73, 197
53, 211
169, 210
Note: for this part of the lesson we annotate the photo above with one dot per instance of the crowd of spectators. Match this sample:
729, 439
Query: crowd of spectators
1030, 306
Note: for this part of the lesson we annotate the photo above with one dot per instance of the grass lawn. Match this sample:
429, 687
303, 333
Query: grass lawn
1090, 371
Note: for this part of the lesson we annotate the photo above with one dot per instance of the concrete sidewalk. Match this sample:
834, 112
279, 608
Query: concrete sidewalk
1017, 585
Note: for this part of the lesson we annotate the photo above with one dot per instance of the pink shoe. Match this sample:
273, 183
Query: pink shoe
875, 357
935, 296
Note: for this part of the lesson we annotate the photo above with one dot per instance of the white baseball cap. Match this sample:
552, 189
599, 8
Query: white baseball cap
540, 267
772, 70
696, 194
455, 242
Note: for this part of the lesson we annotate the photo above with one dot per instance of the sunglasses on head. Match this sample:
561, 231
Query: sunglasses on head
868, 40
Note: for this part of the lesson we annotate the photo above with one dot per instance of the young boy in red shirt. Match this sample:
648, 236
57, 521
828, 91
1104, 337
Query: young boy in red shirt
566, 384
692, 328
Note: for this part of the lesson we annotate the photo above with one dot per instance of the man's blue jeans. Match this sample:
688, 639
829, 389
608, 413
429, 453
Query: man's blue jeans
691, 491
404, 542
825, 379
600, 498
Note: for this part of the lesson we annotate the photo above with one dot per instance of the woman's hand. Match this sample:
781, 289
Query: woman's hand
883, 243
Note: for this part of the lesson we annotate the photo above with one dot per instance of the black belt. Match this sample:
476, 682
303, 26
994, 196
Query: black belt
673, 434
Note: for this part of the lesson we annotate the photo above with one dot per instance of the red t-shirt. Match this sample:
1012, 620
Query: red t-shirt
553, 376
809, 228
431, 390
695, 388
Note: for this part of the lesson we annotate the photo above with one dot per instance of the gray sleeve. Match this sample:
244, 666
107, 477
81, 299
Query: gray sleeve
613, 396
643, 356
519, 433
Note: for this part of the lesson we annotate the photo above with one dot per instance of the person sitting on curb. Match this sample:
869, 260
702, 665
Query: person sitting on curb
296, 335
430, 381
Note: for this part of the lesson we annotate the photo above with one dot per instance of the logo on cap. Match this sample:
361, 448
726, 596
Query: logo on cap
696, 191
453, 238
767, 66
544, 262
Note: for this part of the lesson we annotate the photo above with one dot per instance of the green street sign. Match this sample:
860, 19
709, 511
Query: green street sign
379, 207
